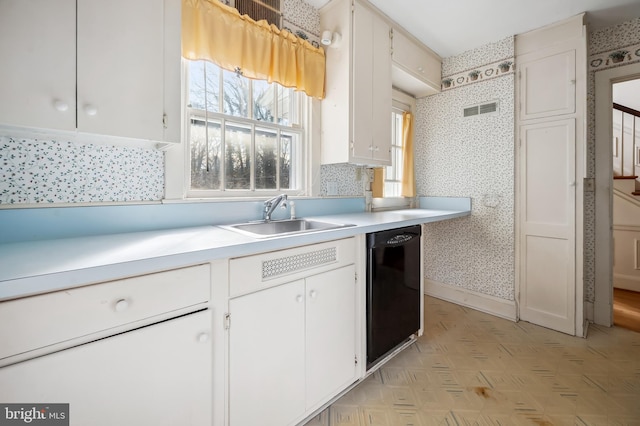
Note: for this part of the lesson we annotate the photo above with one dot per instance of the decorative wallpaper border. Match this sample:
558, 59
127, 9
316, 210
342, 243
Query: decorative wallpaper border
481, 73
302, 33
615, 57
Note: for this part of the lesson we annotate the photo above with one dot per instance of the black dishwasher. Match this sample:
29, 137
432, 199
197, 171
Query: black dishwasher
393, 289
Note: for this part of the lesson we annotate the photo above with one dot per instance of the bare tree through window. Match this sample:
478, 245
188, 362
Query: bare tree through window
241, 132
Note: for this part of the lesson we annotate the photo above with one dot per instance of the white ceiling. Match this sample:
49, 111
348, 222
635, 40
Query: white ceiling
451, 27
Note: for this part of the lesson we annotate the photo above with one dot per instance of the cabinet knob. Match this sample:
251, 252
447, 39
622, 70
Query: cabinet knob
60, 105
203, 337
299, 298
90, 110
122, 305
313, 294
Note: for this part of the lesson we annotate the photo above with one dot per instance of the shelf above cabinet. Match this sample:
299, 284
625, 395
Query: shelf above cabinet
415, 70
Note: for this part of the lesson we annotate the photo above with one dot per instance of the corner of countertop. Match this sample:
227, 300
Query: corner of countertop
445, 203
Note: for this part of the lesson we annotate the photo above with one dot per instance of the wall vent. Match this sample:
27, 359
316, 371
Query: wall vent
268, 10
488, 108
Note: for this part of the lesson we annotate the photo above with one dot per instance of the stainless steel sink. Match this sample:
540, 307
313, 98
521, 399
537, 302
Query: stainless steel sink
283, 227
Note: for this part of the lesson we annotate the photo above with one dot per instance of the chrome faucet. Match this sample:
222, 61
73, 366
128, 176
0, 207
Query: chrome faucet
271, 204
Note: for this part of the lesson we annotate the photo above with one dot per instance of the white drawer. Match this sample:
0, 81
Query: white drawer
252, 273
34, 322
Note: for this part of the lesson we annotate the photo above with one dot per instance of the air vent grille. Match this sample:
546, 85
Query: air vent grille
474, 110
268, 10
471, 111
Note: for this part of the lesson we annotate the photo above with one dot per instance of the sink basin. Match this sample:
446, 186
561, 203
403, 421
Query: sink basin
283, 227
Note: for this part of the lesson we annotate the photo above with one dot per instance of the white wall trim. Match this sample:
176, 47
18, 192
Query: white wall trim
626, 197
626, 282
482, 302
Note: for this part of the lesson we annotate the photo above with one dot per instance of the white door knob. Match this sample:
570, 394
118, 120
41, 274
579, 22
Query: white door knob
203, 337
122, 305
60, 105
313, 294
299, 298
90, 110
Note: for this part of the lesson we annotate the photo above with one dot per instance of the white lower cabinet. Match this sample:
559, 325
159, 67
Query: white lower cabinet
155, 375
291, 348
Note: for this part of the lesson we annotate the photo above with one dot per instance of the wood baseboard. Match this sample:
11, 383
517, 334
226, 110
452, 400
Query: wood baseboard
489, 304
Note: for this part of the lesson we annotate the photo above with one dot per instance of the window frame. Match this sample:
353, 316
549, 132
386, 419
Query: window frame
400, 102
301, 129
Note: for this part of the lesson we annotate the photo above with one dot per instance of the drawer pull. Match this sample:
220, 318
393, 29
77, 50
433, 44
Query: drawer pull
203, 337
122, 305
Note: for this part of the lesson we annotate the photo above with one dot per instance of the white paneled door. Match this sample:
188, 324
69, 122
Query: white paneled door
548, 132
547, 243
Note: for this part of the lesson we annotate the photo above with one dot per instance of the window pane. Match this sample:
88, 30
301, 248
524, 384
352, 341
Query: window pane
266, 159
235, 94
290, 157
205, 157
287, 106
264, 100
237, 156
198, 82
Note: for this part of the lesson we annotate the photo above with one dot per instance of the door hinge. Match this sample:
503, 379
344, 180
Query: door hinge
227, 321
356, 277
356, 359
165, 120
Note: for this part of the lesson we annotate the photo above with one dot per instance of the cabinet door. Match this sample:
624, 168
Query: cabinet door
266, 356
38, 73
362, 77
415, 60
330, 342
371, 88
548, 84
120, 68
157, 375
382, 92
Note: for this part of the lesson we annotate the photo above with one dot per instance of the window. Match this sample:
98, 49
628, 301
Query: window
393, 173
244, 135
387, 186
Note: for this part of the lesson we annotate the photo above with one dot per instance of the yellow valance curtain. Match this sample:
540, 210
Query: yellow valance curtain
408, 175
218, 33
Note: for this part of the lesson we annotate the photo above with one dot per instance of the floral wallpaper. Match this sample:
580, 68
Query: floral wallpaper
344, 177
302, 19
470, 157
34, 172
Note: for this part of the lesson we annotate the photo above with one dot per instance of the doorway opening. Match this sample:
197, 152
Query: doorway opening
626, 203
617, 205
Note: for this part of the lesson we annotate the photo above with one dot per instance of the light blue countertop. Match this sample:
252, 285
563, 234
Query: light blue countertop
33, 267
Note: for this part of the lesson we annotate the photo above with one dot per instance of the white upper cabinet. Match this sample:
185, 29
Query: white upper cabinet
112, 69
415, 70
38, 72
356, 112
548, 94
